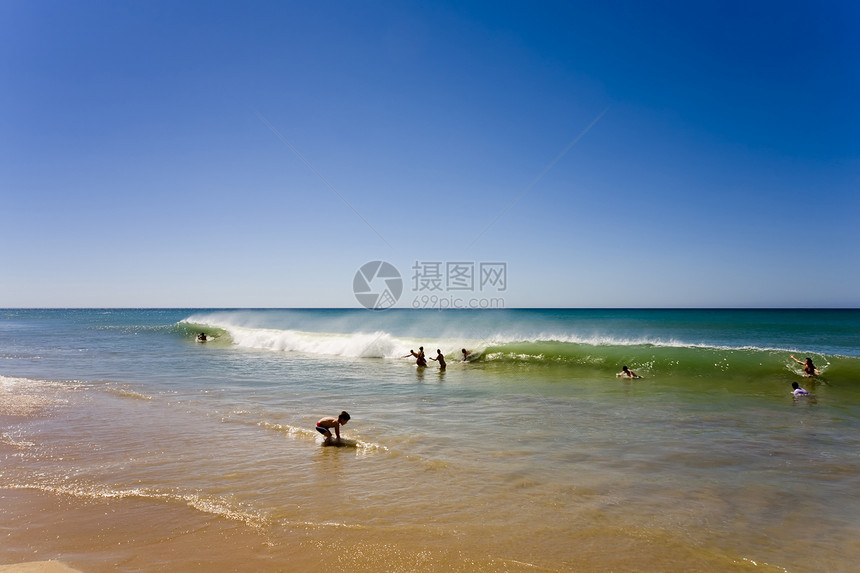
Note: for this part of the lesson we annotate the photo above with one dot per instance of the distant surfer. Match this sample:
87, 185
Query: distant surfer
466, 355
440, 359
808, 366
201, 337
419, 356
324, 426
627, 373
797, 390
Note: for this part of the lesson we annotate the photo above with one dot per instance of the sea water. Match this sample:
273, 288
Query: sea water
128, 445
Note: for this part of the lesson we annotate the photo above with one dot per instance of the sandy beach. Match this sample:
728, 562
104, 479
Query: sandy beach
38, 567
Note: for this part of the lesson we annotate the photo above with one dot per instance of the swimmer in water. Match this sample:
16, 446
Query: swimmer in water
628, 373
808, 366
797, 390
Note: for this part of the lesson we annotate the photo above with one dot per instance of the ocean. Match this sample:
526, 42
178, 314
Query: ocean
129, 446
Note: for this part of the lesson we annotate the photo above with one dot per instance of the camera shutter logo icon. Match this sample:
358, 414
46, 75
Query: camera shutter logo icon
377, 285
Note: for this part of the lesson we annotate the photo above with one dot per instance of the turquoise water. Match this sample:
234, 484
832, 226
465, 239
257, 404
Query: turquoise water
531, 455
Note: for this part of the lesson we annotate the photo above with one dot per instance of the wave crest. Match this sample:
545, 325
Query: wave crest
604, 353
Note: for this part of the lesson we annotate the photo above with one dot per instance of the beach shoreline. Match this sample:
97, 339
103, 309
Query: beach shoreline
126, 445
88, 530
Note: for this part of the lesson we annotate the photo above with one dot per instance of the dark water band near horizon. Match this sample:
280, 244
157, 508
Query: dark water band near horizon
127, 445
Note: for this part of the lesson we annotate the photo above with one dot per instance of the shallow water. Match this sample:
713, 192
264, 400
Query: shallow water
139, 446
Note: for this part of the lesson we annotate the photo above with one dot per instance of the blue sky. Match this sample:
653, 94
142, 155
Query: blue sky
147, 151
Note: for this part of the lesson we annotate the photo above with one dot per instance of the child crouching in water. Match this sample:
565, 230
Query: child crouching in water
324, 425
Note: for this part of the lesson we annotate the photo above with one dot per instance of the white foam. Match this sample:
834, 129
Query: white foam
356, 345
604, 340
382, 344
26, 396
207, 504
378, 344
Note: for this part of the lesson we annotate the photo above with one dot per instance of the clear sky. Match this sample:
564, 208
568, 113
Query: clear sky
610, 154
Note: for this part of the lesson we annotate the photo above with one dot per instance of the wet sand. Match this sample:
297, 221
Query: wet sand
38, 567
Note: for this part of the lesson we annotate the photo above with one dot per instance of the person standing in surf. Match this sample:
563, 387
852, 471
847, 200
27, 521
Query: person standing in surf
440, 359
325, 424
808, 366
419, 356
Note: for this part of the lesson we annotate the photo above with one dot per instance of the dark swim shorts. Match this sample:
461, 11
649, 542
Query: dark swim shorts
323, 431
